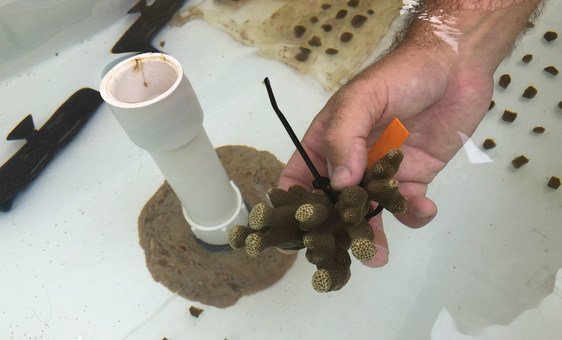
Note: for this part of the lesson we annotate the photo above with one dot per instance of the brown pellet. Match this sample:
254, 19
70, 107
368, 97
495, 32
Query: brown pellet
346, 37
326, 6
560, 104
358, 20
489, 144
529, 24
299, 31
553, 182
331, 51
538, 129
162, 43
302, 56
492, 104
527, 58
353, 3
341, 14
550, 35
509, 116
530, 92
194, 311
504, 81
315, 41
552, 70
326, 27
313, 20
518, 162
370, 12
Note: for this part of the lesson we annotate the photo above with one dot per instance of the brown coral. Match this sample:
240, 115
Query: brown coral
300, 219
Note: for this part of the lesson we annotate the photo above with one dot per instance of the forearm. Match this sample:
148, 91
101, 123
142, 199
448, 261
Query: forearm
479, 33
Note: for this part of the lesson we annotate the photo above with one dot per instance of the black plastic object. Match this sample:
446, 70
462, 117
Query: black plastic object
42, 145
320, 182
138, 37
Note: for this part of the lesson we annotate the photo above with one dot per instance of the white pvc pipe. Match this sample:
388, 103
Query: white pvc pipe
156, 106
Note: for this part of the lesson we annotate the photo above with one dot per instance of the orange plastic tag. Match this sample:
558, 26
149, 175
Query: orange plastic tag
392, 137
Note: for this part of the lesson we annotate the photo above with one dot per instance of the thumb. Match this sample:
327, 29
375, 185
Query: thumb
345, 141
346, 163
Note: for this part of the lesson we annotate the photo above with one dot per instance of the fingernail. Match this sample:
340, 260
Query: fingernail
421, 214
340, 174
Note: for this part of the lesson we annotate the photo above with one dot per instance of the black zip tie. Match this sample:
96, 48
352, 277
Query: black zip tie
374, 212
320, 182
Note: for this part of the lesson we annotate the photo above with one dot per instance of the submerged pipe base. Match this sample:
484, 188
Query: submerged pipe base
218, 234
177, 259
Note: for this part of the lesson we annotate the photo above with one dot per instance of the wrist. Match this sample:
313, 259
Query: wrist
466, 34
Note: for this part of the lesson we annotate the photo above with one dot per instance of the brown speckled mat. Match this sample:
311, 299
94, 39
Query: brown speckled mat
175, 259
328, 40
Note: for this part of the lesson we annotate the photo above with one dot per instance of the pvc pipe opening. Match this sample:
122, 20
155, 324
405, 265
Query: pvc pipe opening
156, 106
142, 80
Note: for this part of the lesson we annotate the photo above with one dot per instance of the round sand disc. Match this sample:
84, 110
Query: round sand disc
175, 259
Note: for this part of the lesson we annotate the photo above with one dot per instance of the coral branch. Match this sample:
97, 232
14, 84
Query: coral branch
301, 219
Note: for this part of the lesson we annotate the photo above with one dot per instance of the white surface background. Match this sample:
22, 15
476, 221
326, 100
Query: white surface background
69, 254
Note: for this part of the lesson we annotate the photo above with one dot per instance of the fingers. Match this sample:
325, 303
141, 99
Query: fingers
381, 244
338, 138
420, 211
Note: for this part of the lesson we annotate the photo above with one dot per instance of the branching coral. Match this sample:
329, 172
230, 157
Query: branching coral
301, 219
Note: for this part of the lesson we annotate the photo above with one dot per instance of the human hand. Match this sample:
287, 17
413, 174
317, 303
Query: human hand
439, 99
438, 81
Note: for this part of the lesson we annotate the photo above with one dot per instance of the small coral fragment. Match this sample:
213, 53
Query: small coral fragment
518, 162
301, 219
380, 185
318, 256
530, 92
316, 241
363, 249
311, 215
282, 237
351, 204
194, 311
237, 236
386, 167
489, 143
553, 182
263, 215
538, 129
509, 116
322, 281
504, 81
552, 70
279, 197
527, 58
550, 36
332, 275
258, 216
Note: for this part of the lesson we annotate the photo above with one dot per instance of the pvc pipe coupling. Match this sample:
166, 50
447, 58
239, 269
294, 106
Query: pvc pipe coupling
156, 106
